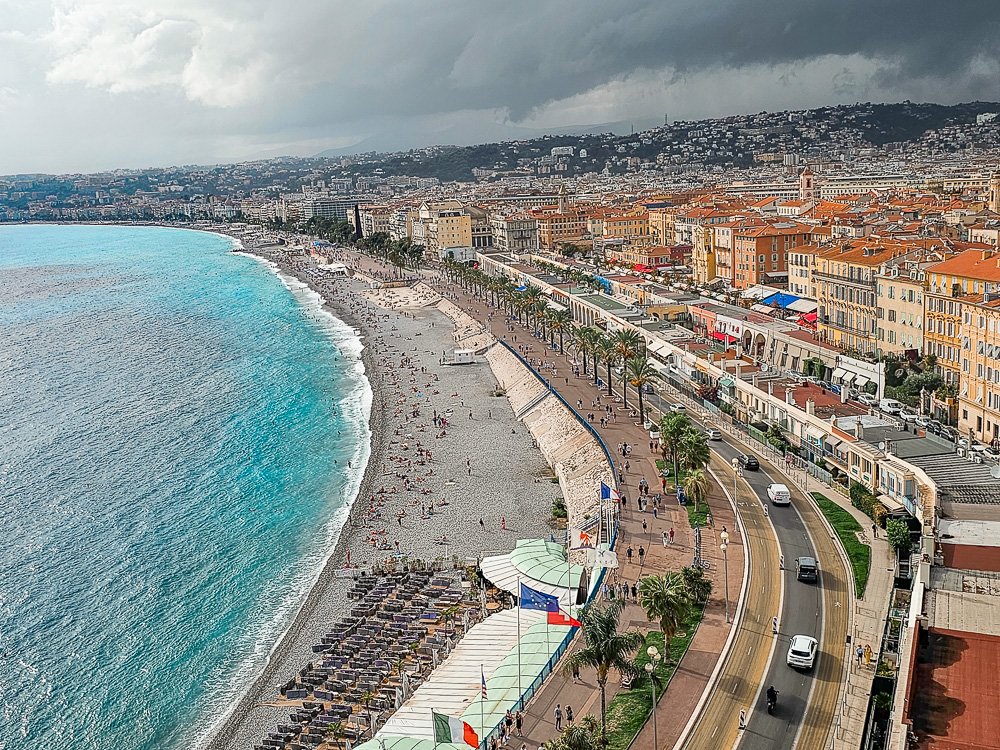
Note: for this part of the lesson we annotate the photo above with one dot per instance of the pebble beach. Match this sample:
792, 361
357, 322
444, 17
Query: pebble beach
440, 481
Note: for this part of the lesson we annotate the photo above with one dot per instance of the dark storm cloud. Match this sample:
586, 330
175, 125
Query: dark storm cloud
433, 57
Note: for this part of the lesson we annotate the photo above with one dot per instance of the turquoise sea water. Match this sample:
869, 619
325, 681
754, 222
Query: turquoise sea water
175, 427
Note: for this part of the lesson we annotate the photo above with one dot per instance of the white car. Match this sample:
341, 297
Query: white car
867, 399
678, 407
778, 494
922, 421
802, 652
713, 434
908, 416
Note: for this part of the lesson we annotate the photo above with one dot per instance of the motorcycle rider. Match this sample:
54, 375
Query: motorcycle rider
772, 697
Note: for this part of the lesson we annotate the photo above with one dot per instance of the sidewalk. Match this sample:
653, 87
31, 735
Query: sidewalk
692, 674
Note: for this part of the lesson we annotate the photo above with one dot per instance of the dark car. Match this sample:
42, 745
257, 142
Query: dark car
748, 462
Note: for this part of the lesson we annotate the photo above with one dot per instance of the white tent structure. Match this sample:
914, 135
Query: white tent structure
491, 649
538, 564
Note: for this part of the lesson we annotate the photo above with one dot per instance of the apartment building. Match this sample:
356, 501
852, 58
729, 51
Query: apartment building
801, 262
442, 226
899, 299
760, 254
661, 224
844, 278
555, 226
514, 233
963, 331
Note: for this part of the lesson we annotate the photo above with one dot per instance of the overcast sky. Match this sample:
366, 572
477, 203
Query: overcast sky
95, 84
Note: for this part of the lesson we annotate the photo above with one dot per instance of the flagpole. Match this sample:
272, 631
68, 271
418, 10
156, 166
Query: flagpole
520, 694
482, 701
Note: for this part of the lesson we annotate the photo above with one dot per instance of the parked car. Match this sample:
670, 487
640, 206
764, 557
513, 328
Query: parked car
678, 407
922, 421
891, 406
713, 434
748, 462
949, 433
935, 427
910, 417
867, 399
779, 494
802, 652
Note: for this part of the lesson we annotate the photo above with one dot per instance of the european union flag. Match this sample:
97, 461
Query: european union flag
531, 599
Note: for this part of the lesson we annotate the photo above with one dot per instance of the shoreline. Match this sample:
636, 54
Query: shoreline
220, 735
388, 329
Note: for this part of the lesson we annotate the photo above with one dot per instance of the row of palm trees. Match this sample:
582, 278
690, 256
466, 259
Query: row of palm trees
620, 349
668, 599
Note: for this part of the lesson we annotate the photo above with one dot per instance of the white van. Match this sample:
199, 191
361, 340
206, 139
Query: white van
779, 494
891, 406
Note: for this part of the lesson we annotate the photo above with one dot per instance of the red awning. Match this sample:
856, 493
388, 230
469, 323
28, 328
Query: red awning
720, 336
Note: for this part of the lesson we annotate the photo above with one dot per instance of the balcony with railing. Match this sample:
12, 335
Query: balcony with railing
845, 327
840, 279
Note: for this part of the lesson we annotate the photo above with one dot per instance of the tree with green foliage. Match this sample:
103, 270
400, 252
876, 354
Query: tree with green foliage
673, 427
699, 586
898, 534
585, 735
667, 600
626, 343
604, 649
561, 321
693, 450
639, 372
696, 487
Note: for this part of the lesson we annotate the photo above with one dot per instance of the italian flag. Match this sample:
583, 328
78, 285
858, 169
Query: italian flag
447, 729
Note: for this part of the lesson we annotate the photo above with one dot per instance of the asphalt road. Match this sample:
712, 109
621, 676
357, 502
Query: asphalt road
800, 611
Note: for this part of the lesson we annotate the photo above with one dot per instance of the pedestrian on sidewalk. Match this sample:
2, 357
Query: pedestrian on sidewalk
644, 528
860, 652
868, 655
774, 625
503, 523
654, 510
635, 593
557, 714
576, 678
519, 723
663, 536
628, 553
569, 714
671, 534
874, 531
624, 501
743, 718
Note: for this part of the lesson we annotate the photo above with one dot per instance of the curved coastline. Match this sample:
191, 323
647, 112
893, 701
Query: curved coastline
219, 734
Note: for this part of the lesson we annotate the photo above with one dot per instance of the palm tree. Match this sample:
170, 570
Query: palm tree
540, 308
582, 343
673, 427
560, 322
604, 649
699, 586
610, 356
586, 735
696, 486
693, 450
626, 343
666, 599
639, 372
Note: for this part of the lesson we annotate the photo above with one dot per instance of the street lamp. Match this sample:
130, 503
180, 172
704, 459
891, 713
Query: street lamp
725, 558
654, 658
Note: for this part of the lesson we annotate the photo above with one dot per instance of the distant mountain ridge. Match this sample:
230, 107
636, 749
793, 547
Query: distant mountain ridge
492, 133
734, 141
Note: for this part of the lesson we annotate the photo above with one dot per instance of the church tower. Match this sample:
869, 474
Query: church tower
562, 198
995, 192
807, 185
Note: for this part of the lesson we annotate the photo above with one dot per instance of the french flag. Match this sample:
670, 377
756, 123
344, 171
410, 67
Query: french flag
608, 493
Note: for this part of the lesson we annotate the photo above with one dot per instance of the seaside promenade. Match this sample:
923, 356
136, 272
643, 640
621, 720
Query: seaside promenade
844, 708
637, 529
